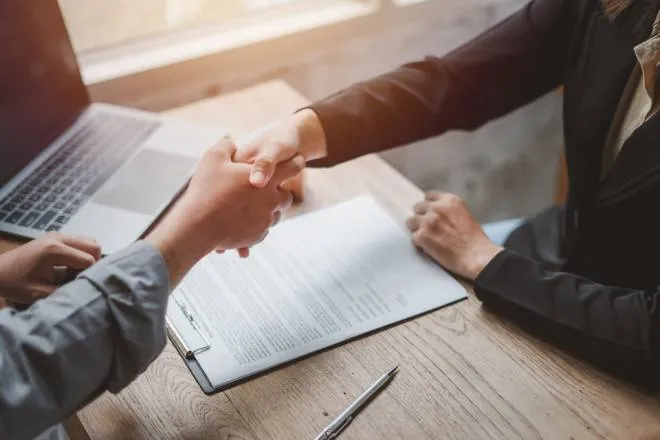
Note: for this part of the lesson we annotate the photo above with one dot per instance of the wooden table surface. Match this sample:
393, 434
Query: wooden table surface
465, 373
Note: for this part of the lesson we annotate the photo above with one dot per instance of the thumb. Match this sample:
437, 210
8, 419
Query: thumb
268, 159
262, 170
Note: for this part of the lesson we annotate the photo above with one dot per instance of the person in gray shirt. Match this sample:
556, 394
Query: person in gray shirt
100, 331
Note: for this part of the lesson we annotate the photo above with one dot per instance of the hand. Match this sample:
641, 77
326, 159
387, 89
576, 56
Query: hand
300, 134
220, 210
26, 273
444, 229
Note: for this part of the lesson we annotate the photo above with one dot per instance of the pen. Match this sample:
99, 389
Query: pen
347, 416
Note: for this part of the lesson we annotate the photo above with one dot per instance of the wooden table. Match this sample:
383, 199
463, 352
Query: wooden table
465, 373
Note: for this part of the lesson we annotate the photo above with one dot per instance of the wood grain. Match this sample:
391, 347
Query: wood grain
465, 373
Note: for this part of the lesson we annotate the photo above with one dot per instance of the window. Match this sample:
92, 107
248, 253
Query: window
95, 24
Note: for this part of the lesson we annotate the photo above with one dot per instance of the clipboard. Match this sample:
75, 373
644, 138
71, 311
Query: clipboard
219, 360
183, 330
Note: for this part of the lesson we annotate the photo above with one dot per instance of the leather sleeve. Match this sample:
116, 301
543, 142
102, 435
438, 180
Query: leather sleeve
614, 327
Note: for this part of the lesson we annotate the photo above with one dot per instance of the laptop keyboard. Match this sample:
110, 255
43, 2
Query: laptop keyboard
47, 199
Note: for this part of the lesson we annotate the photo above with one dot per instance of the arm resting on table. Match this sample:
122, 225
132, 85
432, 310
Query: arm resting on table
614, 327
94, 334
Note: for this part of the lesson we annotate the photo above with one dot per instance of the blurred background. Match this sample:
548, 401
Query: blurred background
159, 54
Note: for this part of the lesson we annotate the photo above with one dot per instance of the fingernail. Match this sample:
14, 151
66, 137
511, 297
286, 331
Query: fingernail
258, 178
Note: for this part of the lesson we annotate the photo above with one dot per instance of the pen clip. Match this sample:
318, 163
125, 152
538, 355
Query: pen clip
334, 433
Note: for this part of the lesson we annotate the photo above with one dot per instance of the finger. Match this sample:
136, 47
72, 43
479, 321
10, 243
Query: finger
244, 252
424, 244
430, 222
249, 147
412, 223
225, 149
72, 257
421, 240
285, 199
421, 207
277, 216
246, 153
85, 244
262, 238
40, 290
266, 161
289, 169
433, 195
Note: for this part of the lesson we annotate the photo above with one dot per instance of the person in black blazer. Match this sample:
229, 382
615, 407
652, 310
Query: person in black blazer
586, 274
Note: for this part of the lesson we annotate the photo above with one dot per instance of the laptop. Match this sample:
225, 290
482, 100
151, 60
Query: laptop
74, 166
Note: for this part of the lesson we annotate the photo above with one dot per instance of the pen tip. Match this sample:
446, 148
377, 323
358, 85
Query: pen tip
394, 370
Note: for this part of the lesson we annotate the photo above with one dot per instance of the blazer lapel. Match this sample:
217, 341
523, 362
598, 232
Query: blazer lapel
639, 153
605, 59
637, 162
592, 95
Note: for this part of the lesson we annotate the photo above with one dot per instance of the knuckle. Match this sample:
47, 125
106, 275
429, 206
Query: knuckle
285, 147
412, 223
53, 245
452, 200
420, 238
421, 207
214, 152
447, 203
429, 223
298, 164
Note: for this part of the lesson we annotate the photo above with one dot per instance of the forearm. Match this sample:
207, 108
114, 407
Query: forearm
178, 242
613, 326
96, 333
502, 69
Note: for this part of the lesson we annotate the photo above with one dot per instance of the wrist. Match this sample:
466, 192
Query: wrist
179, 243
480, 258
311, 136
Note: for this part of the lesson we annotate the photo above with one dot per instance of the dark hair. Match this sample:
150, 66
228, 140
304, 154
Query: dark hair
614, 7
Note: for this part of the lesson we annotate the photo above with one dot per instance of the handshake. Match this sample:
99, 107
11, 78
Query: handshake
233, 198
231, 201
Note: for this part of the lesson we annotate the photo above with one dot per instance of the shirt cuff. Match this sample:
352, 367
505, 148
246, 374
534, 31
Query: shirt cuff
339, 128
135, 282
496, 277
139, 259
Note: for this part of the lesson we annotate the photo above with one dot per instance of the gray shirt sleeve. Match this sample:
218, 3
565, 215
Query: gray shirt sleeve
94, 334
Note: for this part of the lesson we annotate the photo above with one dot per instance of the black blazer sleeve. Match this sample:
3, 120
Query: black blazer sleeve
615, 327
506, 67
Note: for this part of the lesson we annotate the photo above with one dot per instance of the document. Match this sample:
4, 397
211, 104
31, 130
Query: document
317, 280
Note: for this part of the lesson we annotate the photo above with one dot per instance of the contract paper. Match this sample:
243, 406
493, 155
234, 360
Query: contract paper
316, 281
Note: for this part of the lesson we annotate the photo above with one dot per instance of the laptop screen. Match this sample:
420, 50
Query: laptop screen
41, 91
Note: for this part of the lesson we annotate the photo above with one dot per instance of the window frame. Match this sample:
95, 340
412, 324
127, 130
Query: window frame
120, 75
